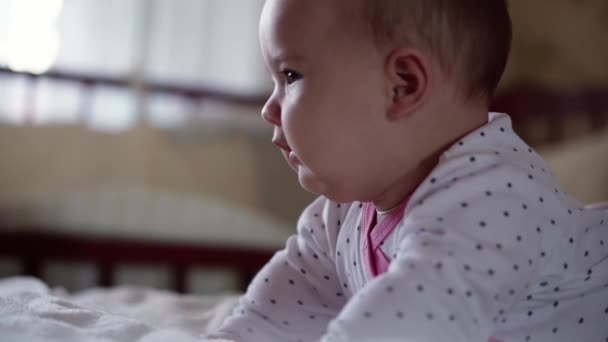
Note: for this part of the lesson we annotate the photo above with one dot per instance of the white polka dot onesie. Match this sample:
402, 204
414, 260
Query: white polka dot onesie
487, 248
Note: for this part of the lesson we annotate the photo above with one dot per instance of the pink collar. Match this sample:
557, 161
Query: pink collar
375, 234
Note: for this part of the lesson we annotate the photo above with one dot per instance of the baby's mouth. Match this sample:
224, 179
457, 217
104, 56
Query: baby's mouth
282, 145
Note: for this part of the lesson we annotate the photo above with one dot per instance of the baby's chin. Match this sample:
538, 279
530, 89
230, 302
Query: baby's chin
309, 182
312, 182
332, 191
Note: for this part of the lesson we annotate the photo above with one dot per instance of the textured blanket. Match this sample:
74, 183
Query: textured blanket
32, 312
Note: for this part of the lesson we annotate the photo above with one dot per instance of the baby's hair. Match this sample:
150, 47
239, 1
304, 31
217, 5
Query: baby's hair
470, 39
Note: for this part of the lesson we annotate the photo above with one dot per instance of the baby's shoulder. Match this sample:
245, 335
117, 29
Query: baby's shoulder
489, 179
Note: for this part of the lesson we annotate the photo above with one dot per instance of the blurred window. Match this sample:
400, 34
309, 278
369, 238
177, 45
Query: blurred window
207, 43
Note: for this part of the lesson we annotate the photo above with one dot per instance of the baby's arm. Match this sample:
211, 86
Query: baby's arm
297, 293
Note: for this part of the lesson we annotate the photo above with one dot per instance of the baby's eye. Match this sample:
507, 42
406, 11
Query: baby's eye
291, 76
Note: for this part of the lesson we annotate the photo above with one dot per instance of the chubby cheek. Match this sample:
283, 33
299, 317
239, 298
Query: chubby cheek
320, 133
302, 129
312, 145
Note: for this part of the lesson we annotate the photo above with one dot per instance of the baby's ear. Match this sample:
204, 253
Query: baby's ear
408, 82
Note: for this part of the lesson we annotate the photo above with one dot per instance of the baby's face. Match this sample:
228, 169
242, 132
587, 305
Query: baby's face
329, 101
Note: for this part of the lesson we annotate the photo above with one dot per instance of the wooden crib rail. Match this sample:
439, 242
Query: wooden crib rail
193, 93
34, 249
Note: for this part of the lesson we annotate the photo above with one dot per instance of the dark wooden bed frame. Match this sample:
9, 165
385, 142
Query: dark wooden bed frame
33, 246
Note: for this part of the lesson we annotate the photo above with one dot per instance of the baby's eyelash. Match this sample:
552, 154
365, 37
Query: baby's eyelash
291, 76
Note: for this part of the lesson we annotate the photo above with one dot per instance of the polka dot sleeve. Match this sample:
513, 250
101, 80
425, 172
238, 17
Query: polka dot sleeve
466, 254
297, 293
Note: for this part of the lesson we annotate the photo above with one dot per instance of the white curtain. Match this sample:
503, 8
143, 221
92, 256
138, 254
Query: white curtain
208, 42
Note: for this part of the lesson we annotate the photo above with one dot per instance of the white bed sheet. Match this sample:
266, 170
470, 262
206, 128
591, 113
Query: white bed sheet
30, 311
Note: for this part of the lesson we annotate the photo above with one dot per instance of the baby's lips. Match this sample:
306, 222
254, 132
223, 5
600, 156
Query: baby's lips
280, 143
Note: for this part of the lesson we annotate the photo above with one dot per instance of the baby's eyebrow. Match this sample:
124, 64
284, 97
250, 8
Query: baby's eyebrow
283, 55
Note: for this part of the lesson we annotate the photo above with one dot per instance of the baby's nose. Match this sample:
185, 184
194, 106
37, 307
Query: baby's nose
271, 112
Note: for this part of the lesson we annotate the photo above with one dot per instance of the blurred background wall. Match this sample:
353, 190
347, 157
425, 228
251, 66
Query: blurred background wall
560, 43
170, 143
59, 138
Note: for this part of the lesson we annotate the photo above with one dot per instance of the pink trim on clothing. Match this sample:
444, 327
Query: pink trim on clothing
375, 234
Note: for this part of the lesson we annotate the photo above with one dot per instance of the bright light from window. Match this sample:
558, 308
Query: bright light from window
33, 38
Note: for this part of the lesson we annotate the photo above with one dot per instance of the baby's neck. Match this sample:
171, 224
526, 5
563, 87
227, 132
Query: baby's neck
455, 121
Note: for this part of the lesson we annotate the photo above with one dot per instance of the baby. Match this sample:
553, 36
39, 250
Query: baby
436, 222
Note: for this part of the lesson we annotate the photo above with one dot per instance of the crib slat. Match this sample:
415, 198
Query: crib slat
32, 267
34, 248
179, 278
105, 274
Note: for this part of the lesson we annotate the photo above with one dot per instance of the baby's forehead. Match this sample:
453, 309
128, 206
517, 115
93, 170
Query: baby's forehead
289, 19
311, 12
